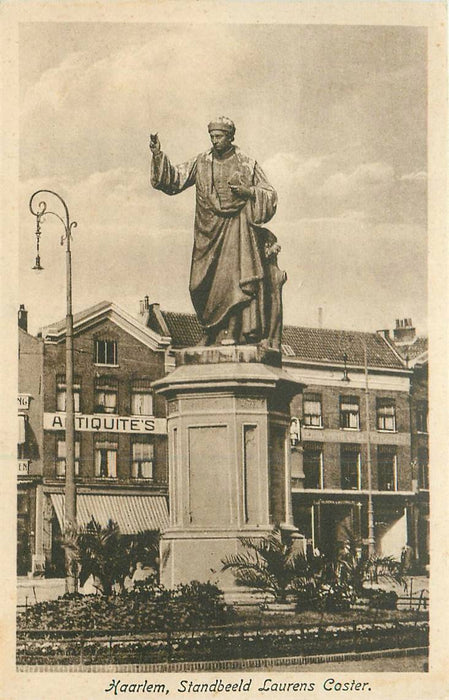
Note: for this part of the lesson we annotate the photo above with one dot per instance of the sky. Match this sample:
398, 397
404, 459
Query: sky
335, 115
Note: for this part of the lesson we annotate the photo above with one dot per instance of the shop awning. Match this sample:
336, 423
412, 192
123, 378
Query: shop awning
131, 513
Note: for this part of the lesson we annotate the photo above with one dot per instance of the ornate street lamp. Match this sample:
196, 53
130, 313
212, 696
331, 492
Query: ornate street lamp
39, 212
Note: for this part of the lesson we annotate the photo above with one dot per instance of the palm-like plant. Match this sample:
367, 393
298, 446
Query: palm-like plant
109, 557
354, 569
272, 565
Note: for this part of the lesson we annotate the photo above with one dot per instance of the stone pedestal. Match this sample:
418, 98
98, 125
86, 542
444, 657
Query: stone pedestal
229, 457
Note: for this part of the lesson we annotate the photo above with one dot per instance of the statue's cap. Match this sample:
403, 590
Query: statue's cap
222, 124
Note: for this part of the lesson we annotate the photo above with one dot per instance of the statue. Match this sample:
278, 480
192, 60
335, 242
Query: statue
235, 283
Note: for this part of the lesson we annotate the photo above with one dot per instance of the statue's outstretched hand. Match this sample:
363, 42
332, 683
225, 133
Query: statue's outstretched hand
155, 144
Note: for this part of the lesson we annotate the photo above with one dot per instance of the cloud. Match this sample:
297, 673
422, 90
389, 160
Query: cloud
291, 168
417, 176
317, 189
99, 112
367, 177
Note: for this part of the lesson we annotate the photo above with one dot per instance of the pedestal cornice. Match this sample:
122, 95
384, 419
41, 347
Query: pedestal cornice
225, 368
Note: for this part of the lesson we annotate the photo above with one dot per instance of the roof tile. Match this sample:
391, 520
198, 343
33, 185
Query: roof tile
312, 344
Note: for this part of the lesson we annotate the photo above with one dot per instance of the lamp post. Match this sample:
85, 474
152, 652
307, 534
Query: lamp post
39, 210
345, 378
371, 540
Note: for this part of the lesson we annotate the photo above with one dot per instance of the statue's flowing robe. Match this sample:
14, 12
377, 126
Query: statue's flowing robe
227, 268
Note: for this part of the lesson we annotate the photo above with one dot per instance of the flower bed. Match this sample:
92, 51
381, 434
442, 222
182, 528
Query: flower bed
221, 643
152, 624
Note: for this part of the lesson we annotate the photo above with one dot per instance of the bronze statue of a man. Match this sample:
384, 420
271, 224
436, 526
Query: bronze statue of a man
235, 284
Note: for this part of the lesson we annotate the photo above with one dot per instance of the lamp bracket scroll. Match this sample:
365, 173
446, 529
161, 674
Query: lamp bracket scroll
40, 210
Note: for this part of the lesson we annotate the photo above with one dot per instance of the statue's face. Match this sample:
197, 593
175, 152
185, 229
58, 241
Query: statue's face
221, 140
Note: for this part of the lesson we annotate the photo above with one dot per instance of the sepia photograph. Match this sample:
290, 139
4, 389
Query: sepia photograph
224, 454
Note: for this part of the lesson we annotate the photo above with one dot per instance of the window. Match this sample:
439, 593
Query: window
106, 460
141, 398
61, 394
61, 455
313, 465
106, 389
422, 411
142, 465
423, 464
386, 468
106, 352
312, 411
349, 412
350, 467
386, 414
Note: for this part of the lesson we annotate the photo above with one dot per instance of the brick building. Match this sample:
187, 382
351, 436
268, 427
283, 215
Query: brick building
355, 419
30, 445
120, 438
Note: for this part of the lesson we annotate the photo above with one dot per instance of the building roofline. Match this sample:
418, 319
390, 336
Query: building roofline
55, 333
392, 347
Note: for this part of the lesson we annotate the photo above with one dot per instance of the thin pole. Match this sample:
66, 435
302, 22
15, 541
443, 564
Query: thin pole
371, 540
70, 488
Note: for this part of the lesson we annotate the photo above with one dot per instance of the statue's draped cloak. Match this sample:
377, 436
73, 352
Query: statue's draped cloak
227, 262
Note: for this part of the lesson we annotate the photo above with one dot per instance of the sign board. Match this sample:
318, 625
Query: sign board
23, 467
23, 401
140, 425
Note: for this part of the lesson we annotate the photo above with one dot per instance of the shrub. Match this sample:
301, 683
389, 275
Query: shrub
148, 606
383, 600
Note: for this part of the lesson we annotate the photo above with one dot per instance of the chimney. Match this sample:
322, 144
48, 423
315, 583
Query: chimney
404, 333
22, 318
320, 317
144, 305
385, 333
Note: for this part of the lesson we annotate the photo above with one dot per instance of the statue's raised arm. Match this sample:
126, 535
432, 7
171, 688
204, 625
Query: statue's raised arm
169, 178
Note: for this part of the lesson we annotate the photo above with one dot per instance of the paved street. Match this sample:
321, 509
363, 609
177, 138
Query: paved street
406, 664
34, 590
